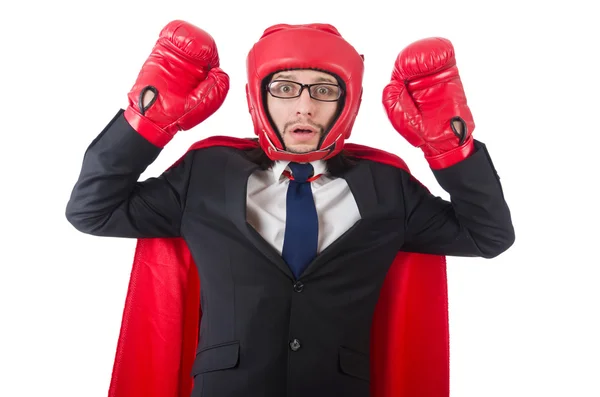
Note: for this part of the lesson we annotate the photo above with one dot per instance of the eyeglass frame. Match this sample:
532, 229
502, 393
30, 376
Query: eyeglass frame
302, 87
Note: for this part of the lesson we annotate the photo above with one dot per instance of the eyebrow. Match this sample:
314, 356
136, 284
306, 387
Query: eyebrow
319, 79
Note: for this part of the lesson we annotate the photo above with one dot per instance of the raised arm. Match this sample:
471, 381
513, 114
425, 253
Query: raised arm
426, 104
178, 87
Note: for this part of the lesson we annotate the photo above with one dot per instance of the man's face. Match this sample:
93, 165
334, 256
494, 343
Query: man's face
302, 121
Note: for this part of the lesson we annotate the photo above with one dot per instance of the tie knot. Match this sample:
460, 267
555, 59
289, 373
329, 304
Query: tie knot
301, 171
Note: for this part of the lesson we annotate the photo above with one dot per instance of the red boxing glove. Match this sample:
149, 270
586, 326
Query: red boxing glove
425, 100
183, 73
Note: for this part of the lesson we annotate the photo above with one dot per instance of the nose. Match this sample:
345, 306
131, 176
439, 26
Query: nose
305, 105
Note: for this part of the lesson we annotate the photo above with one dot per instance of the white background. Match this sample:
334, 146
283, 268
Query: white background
523, 324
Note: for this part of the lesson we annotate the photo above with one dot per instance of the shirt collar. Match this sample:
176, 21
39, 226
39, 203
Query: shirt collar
320, 167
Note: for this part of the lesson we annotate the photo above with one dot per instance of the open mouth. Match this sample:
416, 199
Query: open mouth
303, 129
303, 133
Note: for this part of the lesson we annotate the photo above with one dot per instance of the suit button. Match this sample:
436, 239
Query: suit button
298, 286
295, 345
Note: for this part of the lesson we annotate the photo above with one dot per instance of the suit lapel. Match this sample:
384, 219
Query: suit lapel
237, 172
360, 182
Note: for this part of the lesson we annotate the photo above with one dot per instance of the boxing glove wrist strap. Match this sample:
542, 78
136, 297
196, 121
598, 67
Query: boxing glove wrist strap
452, 157
146, 128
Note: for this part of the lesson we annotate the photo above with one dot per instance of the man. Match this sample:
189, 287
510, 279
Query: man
293, 237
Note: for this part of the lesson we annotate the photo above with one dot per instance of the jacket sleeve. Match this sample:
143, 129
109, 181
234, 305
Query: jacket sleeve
108, 199
475, 223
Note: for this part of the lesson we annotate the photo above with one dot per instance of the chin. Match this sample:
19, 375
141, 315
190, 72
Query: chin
300, 148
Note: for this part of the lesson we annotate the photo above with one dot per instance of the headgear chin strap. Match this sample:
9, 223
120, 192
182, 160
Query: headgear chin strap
311, 46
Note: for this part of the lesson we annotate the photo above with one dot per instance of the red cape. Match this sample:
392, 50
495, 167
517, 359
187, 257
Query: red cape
159, 330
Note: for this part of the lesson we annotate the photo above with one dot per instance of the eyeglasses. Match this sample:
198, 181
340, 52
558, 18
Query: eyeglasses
286, 89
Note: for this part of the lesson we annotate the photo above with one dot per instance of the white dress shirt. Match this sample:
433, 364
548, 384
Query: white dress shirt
266, 204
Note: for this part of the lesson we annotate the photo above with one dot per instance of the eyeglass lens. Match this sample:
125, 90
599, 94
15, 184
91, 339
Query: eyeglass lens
292, 89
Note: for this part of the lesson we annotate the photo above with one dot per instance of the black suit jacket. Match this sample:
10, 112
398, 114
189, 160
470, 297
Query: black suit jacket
263, 333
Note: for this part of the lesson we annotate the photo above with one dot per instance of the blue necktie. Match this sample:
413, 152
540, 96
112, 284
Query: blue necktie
302, 224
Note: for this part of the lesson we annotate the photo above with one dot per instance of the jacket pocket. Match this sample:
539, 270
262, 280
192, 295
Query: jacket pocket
214, 358
355, 364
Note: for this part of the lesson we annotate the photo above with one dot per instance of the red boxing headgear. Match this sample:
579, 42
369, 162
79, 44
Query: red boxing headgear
311, 46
